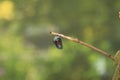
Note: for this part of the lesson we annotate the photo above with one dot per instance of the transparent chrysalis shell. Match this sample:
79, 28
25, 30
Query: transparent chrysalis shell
58, 42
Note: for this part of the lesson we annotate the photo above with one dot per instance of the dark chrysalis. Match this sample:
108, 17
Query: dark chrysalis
58, 42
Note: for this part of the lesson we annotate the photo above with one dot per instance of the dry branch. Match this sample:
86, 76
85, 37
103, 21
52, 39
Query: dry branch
85, 44
116, 75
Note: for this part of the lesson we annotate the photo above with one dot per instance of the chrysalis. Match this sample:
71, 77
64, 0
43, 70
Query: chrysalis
58, 42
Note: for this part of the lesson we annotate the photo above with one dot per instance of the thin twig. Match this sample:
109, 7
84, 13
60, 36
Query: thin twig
85, 44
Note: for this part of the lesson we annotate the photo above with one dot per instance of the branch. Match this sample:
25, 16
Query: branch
85, 44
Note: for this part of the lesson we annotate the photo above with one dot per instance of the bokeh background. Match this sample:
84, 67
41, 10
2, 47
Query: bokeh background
27, 51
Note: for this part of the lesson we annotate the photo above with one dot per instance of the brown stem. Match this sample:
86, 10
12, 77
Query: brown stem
85, 44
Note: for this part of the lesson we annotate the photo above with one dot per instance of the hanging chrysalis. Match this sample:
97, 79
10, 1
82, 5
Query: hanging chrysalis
58, 42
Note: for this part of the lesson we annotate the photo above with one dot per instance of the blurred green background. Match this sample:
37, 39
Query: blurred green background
27, 51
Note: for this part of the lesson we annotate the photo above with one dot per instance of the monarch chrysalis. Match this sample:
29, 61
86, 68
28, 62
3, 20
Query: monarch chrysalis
58, 42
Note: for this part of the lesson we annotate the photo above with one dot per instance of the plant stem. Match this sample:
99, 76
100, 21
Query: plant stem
85, 44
